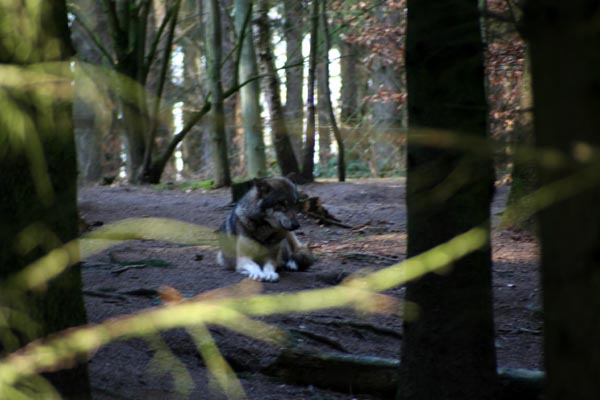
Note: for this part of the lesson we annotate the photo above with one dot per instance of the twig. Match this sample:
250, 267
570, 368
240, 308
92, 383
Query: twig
104, 295
319, 338
326, 221
532, 331
143, 292
126, 267
363, 325
368, 257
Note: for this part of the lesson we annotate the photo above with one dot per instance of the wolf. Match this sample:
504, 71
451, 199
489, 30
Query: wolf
257, 236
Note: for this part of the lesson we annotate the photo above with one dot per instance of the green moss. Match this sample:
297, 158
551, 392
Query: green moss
185, 186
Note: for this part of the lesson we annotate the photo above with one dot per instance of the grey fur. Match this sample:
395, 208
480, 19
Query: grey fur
257, 238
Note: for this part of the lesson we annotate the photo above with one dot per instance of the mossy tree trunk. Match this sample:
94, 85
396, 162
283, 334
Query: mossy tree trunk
38, 192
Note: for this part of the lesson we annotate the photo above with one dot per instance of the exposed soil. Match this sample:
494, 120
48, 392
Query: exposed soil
376, 209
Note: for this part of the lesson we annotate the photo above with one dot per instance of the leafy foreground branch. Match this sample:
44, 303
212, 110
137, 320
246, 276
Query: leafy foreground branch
230, 307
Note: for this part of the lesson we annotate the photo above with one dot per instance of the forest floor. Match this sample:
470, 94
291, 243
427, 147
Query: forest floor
118, 281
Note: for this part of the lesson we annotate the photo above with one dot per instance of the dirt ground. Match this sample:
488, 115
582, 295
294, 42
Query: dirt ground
376, 210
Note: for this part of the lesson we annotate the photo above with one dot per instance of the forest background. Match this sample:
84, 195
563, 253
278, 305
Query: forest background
193, 90
172, 135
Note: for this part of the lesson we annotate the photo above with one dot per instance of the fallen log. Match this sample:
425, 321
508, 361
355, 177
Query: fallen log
342, 372
375, 375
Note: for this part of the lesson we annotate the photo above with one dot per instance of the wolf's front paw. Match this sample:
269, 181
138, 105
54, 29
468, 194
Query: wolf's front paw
252, 274
291, 265
269, 274
246, 266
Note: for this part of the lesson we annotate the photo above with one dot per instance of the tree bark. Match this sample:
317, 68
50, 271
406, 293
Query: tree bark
161, 121
389, 117
309, 145
38, 183
256, 163
192, 146
524, 176
87, 114
87, 128
567, 122
218, 137
351, 78
341, 162
448, 351
128, 36
230, 77
322, 114
293, 14
284, 152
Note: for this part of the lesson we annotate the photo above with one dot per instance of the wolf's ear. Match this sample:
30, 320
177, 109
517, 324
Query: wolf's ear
262, 187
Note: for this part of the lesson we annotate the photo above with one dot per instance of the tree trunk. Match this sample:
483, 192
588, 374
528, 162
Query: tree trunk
309, 146
293, 14
88, 133
341, 164
192, 148
389, 117
161, 122
229, 70
351, 78
322, 114
567, 122
218, 137
128, 34
353, 84
448, 351
87, 115
256, 162
38, 183
524, 179
281, 139
134, 110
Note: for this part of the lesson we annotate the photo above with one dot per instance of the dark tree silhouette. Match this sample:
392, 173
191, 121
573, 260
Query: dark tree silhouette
567, 122
448, 351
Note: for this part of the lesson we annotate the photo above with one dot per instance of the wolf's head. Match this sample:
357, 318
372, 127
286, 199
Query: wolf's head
278, 202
